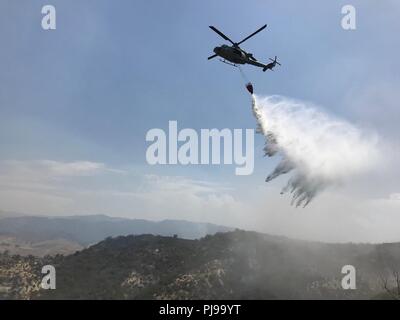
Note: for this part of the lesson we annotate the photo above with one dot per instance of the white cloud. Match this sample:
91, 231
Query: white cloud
59, 188
50, 168
177, 197
76, 168
43, 186
394, 196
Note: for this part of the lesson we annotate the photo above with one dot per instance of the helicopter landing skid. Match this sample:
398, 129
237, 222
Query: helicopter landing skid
229, 63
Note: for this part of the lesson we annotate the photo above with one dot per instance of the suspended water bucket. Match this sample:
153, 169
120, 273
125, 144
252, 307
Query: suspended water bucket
249, 87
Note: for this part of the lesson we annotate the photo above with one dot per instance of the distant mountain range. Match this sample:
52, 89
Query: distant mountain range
50, 235
232, 265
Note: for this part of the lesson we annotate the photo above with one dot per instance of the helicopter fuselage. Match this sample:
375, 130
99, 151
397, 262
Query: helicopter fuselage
232, 54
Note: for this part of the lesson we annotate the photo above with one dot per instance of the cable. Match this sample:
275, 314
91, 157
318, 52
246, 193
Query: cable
249, 85
243, 75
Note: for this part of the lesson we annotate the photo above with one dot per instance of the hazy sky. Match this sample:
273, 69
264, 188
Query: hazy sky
76, 103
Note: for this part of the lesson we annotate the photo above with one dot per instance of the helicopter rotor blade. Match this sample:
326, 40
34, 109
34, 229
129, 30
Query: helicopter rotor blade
221, 34
211, 57
253, 34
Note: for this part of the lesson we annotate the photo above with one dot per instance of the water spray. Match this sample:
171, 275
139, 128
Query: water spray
318, 150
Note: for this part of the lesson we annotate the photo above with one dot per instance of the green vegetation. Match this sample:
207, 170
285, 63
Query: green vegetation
232, 265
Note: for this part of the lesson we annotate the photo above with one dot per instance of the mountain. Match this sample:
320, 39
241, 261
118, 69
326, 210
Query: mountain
232, 265
28, 234
14, 245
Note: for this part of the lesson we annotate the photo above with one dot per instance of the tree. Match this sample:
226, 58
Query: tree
393, 292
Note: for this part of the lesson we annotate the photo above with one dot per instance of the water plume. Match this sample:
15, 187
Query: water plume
319, 149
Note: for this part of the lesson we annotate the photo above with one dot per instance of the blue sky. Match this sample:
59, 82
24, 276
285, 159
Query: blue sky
89, 91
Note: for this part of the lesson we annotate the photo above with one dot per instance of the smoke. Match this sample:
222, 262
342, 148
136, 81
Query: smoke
319, 149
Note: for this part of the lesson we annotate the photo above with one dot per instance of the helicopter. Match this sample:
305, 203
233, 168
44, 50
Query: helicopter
234, 55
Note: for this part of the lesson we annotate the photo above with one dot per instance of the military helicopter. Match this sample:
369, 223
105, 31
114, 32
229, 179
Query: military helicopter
236, 55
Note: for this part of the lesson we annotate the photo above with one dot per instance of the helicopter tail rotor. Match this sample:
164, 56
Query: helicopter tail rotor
275, 60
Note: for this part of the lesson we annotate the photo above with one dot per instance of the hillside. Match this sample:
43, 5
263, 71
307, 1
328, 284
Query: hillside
233, 265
